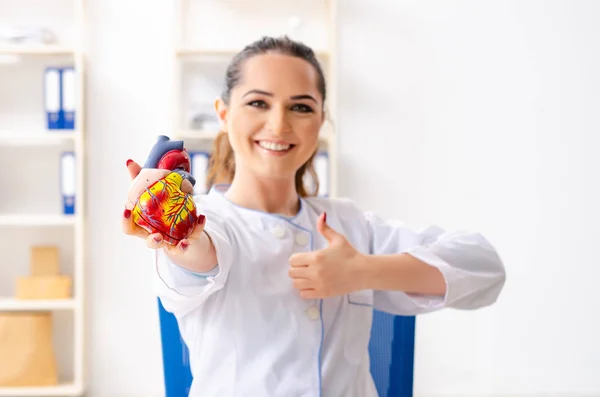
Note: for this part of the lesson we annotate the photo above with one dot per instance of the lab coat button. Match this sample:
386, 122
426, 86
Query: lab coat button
278, 231
301, 239
313, 313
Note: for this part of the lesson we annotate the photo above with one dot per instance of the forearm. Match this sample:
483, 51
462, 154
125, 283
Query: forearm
199, 257
401, 272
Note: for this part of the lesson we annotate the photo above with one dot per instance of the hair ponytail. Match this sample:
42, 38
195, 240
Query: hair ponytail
221, 167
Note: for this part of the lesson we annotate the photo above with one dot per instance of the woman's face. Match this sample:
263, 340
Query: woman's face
274, 115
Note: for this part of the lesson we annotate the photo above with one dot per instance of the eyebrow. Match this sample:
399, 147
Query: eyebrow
294, 97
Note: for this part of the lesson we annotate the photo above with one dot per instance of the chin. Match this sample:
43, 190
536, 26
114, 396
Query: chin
279, 174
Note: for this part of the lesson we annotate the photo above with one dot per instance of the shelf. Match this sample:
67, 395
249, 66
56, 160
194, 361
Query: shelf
36, 220
13, 304
50, 138
34, 49
32, 213
60, 390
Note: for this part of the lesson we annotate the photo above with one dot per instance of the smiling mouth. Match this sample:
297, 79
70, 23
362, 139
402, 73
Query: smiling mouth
275, 147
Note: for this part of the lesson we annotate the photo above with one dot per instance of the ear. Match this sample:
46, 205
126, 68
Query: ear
221, 110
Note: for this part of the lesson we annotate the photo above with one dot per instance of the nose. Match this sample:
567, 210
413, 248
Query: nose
278, 123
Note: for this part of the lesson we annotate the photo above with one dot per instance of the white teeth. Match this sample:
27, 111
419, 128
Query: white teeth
278, 147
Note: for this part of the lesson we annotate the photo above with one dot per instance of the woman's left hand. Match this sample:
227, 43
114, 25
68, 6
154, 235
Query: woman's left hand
331, 271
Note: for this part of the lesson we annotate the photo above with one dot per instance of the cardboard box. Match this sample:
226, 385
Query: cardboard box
27, 356
49, 287
44, 261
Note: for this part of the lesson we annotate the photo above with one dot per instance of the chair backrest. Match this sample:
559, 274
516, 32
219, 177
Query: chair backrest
391, 350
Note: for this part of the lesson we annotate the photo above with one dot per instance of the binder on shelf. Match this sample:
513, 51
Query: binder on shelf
67, 182
199, 162
59, 97
68, 97
52, 98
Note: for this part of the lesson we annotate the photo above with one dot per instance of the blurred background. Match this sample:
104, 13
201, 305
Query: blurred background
466, 114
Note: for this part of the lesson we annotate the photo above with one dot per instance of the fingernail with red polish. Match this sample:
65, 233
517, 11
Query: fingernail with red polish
157, 239
324, 216
129, 162
184, 246
127, 213
201, 219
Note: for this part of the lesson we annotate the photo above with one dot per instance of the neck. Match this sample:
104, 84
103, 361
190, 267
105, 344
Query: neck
274, 196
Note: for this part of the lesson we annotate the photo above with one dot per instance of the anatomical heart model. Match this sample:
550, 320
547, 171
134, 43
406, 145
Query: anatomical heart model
164, 204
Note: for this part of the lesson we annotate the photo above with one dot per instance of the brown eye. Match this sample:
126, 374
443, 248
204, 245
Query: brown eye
302, 108
257, 104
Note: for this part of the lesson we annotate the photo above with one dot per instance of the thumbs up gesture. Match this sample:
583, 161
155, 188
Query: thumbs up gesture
334, 270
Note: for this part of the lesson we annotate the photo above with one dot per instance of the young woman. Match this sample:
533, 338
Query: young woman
275, 289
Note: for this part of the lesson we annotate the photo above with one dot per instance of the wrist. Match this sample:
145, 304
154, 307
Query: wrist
196, 256
381, 272
363, 271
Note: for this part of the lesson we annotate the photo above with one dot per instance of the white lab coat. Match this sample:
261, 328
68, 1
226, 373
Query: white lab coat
249, 332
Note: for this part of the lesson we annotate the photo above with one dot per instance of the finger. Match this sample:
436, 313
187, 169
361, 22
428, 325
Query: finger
129, 227
187, 187
155, 241
198, 229
302, 284
133, 168
300, 259
299, 272
326, 231
177, 249
183, 244
144, 178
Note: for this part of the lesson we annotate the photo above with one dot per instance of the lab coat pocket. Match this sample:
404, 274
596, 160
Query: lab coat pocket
358, 326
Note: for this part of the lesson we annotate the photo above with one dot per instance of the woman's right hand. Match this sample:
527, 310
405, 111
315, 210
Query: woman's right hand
141, 179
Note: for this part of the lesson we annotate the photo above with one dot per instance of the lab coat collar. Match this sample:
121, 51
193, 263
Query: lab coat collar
267, 220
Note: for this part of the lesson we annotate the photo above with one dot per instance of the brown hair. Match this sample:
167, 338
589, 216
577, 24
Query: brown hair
221, 167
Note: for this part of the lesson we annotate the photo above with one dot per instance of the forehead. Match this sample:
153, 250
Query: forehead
279, 74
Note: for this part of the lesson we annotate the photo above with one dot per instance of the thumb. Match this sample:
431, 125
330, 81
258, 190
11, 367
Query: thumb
133, 168
326, 231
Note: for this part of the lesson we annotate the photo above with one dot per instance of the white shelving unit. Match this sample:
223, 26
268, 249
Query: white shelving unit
30, 158
202, 56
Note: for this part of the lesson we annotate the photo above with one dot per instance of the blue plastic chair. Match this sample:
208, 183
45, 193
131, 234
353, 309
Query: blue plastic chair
391, 349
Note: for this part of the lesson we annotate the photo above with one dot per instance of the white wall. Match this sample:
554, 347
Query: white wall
485, 114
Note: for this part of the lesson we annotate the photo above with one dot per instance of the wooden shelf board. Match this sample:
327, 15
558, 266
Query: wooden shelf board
14, 304
61, 390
